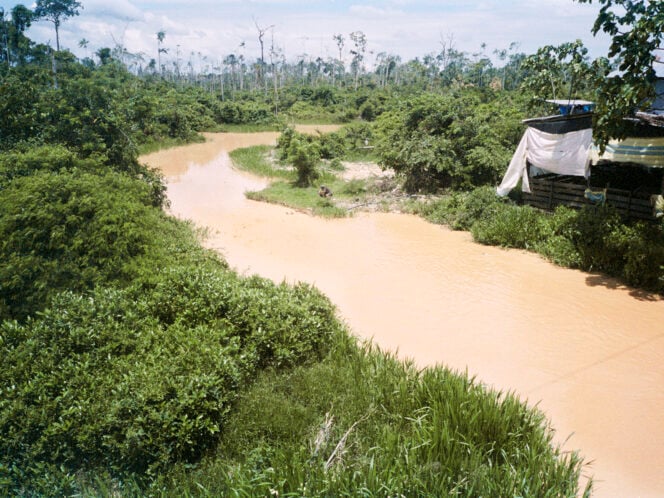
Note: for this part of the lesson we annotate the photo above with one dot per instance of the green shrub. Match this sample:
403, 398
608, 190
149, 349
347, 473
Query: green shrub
559, 247
592, 239
456, 140
336, 164
304, 156
69, 231
132, 381
514, 226
96, 383
356, 186
460, 210
278, 325
589, 230
331, 145
642, 249
17, 163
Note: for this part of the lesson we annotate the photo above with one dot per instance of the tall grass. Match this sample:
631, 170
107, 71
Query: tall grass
362, 423
256, 160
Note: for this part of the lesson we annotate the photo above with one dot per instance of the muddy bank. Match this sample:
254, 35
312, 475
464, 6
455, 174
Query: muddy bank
587, 350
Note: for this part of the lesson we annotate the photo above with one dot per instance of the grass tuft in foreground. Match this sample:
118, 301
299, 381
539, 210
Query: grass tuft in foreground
363, 423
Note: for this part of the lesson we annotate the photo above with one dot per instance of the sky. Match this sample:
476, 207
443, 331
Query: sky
212, 29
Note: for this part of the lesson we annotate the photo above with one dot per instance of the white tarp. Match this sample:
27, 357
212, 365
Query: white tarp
564, 154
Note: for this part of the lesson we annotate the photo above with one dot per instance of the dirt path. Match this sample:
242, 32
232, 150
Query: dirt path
584, 348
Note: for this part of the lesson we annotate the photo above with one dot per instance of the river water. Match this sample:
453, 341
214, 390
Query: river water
585, 349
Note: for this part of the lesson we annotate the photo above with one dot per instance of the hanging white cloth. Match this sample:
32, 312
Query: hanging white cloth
564, 154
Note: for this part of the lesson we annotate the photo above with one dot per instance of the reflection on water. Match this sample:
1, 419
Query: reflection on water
590, 355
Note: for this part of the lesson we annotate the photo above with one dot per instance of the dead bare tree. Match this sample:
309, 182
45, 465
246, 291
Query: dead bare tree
261, 41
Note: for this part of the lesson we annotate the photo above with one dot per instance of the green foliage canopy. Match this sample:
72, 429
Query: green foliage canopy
56, 11
69, 230
454, 140
637, 33
560, 72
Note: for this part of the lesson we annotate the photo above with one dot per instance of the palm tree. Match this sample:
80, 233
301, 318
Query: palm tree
83, 43
160, 39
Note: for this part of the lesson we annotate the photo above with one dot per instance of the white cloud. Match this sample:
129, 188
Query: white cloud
117, 9
409, 28
369, 11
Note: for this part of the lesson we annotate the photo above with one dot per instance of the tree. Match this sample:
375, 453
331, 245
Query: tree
637, 33
261, 41
4, 36
560, 72
13, 44
339, 39
160, 39
57, 11
21, 18
360, 42
453, 141
104, 55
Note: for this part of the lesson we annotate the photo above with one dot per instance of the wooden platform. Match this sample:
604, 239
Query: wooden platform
549, 191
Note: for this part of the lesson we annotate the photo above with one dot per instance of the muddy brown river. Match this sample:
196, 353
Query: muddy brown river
585, 349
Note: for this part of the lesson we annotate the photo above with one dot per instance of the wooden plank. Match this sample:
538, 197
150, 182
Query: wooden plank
547, 194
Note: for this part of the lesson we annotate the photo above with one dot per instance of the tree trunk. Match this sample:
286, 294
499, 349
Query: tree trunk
57, 35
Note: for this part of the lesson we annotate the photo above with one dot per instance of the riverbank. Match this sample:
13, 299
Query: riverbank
583, 348
594, 239
138, 363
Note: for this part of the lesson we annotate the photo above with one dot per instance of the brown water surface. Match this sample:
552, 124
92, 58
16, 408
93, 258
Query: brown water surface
587, 350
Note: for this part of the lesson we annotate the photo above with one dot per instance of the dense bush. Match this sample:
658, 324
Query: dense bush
633, 252
591, 239
456, 140
302, 152
70, 230
460, 210
133, 381
19, 163
143, 340
521, 227
243, 112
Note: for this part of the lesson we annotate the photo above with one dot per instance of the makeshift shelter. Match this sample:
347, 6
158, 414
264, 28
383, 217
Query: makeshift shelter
555, 144
557, 163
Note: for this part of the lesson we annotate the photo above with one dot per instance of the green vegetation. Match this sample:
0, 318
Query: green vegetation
136, 363
457, 140
298, 162
637, 32
305, 199
256, 160
362, 421
127, 380
592, 239
446, 144
288, 192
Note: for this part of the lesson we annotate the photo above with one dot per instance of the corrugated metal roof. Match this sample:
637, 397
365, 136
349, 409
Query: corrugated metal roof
570, 102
